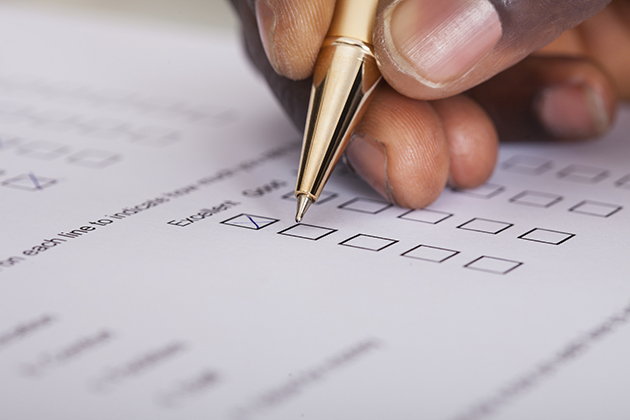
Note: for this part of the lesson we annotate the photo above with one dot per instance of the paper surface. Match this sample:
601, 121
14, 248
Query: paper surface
150, 267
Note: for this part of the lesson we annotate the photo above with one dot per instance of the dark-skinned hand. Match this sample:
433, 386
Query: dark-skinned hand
459, 75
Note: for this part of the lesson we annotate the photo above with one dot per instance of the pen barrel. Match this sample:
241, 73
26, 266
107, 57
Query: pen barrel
345, 76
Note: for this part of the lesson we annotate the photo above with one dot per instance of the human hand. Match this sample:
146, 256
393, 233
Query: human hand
455, 82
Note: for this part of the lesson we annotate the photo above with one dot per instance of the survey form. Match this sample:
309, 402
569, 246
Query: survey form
150, 266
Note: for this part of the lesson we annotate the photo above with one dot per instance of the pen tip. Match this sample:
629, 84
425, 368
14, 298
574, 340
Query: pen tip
303, 204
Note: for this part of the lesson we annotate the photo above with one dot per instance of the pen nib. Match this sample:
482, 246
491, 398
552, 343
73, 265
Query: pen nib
303, 204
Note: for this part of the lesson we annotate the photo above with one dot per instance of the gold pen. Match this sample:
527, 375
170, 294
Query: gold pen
345, 76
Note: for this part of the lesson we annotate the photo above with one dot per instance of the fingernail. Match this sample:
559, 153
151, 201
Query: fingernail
437, 41
367, 157
266, 18
572, 111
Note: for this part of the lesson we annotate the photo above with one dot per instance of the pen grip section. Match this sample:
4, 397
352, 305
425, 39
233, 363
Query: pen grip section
354, 19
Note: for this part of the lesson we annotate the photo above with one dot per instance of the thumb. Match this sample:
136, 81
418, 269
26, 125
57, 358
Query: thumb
429, 49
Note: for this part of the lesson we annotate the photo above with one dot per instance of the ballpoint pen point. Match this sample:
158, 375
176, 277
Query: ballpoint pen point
303, 204
345, 77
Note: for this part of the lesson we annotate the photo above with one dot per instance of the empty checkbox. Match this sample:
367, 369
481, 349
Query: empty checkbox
430, 253
493, 265
536, 199
154, 136
366, 205
211, 115
594, 208
104, 128
204, 111
159, 102
368, 242
527, 165
304, 231
425, 216
624, 182
485, 226
161, 107
29, 182
94, 158
44, 150
250, 221
54, 120
324, 197
546, 236
583, 174
486, 191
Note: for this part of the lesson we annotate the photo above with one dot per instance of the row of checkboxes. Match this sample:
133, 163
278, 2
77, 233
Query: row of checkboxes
103, 128
432, 254
366, 242
305, 231
531, 165
46, 150
528, 198
116, 100
546, 200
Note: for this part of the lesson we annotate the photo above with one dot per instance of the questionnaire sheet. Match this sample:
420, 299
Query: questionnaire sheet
150, 266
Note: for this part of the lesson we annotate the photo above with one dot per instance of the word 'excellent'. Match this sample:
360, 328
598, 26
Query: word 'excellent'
203, 213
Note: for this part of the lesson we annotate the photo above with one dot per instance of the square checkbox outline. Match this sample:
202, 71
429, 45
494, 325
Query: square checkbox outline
104, 127
575, 209
222, 118
391, 242
454, 253
284, 231
54, 116
330, 196
509, 225
569, 174
52, 125
154, 136
556, 199
497, 189
524, 236
446, 216
354, 200
39, 183
517, 164
226, 222
82, 158
31, 151
470, 265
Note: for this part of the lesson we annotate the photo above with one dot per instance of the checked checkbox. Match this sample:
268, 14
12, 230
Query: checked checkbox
250, 221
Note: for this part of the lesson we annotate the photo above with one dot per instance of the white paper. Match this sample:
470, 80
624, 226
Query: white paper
150, 267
